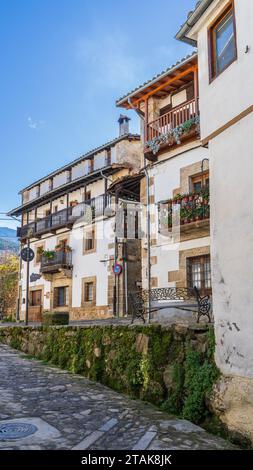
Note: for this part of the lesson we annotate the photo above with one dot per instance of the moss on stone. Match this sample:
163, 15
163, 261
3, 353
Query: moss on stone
132, 360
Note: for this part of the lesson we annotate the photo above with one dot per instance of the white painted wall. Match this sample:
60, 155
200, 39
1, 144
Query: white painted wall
44, 187
60, 179
99, 160
166, 179
78, 170
232, 92
33, 193
232, 247
167, 174
91, 264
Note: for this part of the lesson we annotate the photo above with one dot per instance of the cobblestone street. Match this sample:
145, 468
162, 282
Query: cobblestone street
70, 412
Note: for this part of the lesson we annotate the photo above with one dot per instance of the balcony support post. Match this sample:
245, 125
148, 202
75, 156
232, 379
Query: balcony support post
35, 219
51, 208
146, 121
67, 205
196, 90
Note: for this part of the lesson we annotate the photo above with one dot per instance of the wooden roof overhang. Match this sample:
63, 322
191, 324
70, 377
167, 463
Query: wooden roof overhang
163, 85
127, 187
66, 188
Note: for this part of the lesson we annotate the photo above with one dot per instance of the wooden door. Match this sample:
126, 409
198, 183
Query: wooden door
36, 298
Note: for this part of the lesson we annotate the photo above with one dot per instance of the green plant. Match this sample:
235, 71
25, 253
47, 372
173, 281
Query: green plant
49, 254
55, 318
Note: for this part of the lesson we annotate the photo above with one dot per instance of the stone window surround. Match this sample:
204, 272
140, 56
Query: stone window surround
179, 277
86, 280
60, 282
186, 175
66, 297
88, 229
38, 245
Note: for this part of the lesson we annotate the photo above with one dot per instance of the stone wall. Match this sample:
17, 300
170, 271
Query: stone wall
170, 366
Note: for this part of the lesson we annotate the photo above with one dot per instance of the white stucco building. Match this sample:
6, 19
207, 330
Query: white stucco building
177, 176
69, 218
222, 31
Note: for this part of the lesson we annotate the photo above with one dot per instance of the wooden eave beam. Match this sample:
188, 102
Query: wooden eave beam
163, 85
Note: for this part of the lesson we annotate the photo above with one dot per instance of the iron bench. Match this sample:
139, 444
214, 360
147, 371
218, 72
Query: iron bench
139, 301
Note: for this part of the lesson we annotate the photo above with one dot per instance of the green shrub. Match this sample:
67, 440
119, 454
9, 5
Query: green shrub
55, 318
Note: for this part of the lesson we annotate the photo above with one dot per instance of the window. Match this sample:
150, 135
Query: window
222, 42
89, 240
87, 196
73, 203
199, 273
61, 296
108, 157
39, 251
200, 181
88, 292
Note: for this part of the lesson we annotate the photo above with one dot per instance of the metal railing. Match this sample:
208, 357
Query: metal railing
192, 207
89, 209
57, 258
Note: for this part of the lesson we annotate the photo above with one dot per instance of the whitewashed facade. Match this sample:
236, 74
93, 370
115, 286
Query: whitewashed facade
69, 218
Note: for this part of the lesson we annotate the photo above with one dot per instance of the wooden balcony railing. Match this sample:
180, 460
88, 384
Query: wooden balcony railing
167, 123
93, 208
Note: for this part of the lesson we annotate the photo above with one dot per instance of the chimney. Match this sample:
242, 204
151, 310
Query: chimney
123, 124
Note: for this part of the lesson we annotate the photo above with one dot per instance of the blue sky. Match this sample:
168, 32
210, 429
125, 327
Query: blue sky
63, 65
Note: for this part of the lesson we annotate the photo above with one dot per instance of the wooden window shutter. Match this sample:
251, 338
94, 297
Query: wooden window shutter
189, 273
66, 296
55, 299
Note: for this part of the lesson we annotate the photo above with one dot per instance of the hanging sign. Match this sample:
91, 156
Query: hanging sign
117, 269
34, 277
27, 254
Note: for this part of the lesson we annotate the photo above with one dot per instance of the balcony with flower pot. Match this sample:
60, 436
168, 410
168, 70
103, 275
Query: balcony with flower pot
53, 261
191, 212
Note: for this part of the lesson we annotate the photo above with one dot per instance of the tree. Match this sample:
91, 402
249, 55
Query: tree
9, 269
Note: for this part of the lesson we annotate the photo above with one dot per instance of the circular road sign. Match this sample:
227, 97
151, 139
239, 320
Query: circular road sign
27, 254
117, 269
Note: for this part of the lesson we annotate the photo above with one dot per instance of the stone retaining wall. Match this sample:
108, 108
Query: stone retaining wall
170, 366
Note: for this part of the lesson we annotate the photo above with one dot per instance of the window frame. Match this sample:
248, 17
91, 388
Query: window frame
87, 240
213, 74
87, 292
198, 178
84, 302
38, 256
191, 260
66, 297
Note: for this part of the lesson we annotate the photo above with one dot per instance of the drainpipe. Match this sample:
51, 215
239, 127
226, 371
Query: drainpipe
148, 239
115, 286
148, 218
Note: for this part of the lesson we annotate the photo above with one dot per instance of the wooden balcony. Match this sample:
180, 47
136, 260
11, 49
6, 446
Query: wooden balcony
172, 128
89, 210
